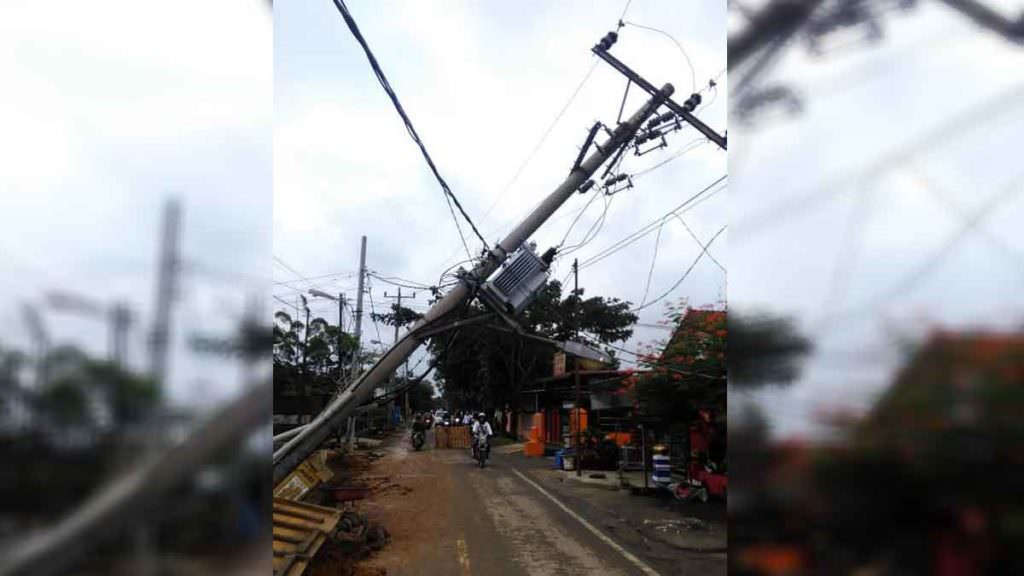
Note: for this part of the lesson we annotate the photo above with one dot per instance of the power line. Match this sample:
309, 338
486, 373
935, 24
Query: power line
685, 274
449, 195
693, 74
697, 240
624, 10
654, 258
647, 229
579, 215
346, 274
285, 265
536, 148
921, 271
947, 130
286, 303
373, 317
594, 229
688, 147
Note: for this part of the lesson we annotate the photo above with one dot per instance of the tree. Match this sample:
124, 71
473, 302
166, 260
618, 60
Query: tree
481, 367
91, 396
311, 357
688, 374
764, 349
398, 316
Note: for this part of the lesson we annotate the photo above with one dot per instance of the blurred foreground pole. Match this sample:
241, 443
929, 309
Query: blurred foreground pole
138, 493
166, 276
299, 448
159, 356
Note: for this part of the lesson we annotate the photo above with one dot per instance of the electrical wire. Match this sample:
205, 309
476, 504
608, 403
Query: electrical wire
688, 147
654, 258
647, 229
536, 148
697, 240
685, 274
693, 74
449, 195
591, 233
345, 275
403, 284
373, 317
577, 219
285, 265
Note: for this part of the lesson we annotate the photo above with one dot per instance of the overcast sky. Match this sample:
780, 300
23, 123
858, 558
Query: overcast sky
900, 146
107, 109
482, 82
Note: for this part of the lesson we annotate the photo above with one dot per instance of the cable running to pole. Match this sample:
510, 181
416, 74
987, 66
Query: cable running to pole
449, 195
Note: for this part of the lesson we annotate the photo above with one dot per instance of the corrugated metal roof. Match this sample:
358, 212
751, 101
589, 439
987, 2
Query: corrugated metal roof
300, 530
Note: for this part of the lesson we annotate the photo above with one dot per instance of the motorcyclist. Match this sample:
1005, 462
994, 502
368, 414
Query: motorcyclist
418, 425
481, 432
418, 435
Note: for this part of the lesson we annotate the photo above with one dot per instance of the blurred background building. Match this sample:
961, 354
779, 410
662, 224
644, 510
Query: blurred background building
135, 209
876, 251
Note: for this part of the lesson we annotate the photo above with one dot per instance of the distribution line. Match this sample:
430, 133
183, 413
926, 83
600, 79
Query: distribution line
533, 152
650, 227
693, 74
346, 274
654, 258
950, 128
685, 274
449, 195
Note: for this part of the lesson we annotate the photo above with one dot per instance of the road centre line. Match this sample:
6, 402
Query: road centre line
463, 556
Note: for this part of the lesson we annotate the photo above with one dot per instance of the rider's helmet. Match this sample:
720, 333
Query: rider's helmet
480, 416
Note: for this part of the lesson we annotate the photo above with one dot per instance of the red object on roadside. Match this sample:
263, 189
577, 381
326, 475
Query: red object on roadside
717, 484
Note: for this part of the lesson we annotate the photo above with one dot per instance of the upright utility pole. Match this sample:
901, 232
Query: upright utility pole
166, 281
576, 366
397, 313
293, 452
120, 322
341, 331
160, 345
359, 308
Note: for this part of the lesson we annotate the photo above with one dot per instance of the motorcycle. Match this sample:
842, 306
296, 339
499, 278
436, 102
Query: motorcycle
418, 438
481, 449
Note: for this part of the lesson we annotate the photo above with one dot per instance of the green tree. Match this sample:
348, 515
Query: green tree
92, 395
398, 316
481, 367
688, 372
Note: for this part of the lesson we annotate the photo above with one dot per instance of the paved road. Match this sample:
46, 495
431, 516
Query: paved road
447, 516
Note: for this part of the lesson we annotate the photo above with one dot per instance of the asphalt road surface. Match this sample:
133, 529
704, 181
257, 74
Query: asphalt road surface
447, 516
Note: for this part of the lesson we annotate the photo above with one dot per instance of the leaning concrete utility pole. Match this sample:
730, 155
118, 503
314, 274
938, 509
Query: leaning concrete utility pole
292, 453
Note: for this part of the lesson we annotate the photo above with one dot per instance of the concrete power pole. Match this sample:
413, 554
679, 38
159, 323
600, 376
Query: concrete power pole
576, 368
294, 451
359, 308
160, 348
166, 280
341, 332
358, 334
